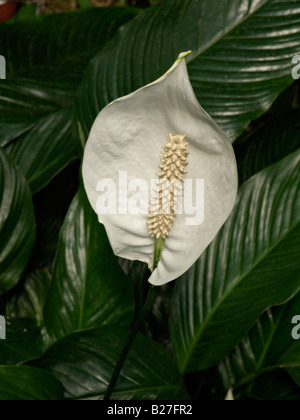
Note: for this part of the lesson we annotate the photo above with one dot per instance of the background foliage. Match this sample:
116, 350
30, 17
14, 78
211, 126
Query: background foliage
69, 302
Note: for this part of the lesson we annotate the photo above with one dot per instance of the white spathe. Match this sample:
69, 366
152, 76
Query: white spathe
129, 135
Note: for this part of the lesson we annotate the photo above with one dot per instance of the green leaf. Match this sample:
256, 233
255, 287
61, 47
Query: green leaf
46, 149
273, 140
272, 386
24, 103
49, 218
268, 346
89, 288
56, 48
24, 383
84, 363
24, 342
242, 52
17, 224
156, 325
29, 302
46, 58
252, 264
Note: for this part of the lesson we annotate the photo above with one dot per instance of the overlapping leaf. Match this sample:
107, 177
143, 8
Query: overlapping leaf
272, 141
41, 160
17, 224
241, 61
89, 288
275, 385
24, 103
46, 58
268, 346
24, 383
242, 52
252, 264
58, 47
84, 363
29, 302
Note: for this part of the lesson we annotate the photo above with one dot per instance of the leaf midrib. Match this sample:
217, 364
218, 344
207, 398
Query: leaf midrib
267, 345
224, 34
254, 375
235, 284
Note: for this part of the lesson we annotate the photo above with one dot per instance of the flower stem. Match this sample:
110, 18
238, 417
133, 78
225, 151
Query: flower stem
137, 325
135, 329
158, 247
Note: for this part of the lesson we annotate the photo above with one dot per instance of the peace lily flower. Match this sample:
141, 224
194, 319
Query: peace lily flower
160, 135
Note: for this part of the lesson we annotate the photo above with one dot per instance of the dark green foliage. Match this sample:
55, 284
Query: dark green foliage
68, 301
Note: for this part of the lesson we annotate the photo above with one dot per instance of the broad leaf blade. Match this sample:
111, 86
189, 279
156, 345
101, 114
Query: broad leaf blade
17, 224
24, 103
46, 58
275, 139
252, 264
84, 363
29, 301
236, 69
46, 149
269, 345
89, 288
272, 386
24, 383
83, 33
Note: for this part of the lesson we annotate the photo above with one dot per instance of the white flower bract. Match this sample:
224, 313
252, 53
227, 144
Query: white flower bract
129, 135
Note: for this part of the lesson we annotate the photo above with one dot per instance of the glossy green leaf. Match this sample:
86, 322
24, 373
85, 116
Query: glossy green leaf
24, 383
46, 58
274, 139
84, 363
56, 48
46, 149
24, 342
89, 288
268, 346
29, 301
17, 224
49, 218
242, 52
24, 103
252, 264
